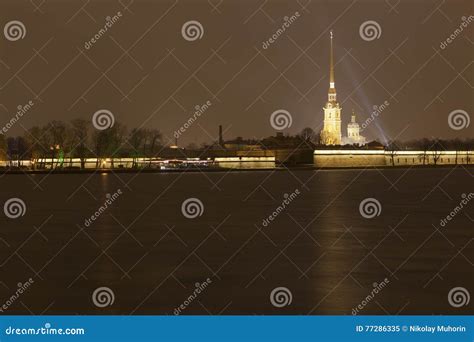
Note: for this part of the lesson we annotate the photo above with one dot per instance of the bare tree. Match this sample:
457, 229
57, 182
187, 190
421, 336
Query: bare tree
435, 148
392, 147
23, 149
154, 141
11, 150
79, 139
56, 134
3, 147
424, 144
307, 134
108, 143
137, 140
469, 145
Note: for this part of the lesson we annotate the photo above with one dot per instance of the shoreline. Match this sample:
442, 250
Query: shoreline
194, 170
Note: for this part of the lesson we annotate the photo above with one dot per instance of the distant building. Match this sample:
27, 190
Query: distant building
242, 147
375, 145
353, 133
331, 132
175, 143
241, 144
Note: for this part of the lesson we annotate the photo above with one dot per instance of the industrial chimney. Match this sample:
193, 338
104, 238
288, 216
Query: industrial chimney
221, 140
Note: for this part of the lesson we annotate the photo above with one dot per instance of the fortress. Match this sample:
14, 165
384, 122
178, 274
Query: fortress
331, 132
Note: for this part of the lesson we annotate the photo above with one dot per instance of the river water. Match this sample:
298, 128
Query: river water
256, 231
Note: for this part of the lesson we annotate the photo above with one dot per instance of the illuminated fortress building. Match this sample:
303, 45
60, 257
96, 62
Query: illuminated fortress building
331, 132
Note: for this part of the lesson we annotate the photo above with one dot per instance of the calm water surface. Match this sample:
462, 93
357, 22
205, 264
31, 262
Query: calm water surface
319, 247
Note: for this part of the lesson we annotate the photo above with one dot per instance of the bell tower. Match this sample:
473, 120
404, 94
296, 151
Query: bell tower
331, 132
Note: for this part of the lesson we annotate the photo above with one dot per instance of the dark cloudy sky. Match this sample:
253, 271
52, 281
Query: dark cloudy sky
147, 74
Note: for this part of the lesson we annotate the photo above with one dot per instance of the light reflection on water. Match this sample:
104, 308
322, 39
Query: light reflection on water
133, 248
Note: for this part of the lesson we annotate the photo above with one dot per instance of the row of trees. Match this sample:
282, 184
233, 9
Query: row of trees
60, 142
432, 148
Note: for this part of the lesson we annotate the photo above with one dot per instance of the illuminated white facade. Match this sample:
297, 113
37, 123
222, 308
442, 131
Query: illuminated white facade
353, 133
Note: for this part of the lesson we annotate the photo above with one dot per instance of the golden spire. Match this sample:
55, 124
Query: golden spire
331, 66
332, 85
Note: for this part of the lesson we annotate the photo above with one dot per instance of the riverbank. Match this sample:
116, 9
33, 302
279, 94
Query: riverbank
16, 171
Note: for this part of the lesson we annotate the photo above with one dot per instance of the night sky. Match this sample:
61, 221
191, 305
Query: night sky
145, 72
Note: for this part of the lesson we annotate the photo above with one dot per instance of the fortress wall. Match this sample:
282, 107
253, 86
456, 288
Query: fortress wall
429, 158
368, 158
294, 156
247, 165
246, 162
340, 158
